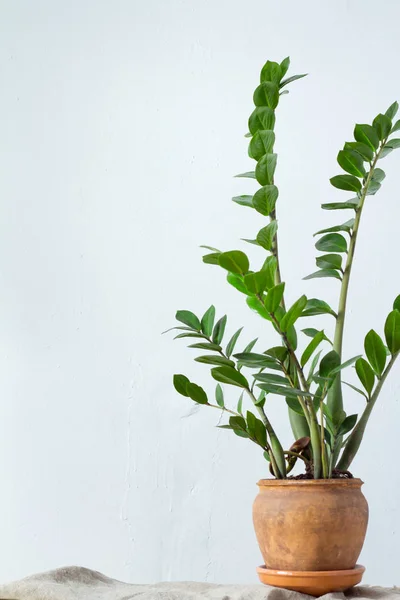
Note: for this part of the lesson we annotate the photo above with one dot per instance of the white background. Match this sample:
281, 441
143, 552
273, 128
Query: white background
121, 127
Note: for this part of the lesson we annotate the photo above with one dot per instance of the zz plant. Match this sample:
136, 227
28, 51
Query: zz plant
327, 439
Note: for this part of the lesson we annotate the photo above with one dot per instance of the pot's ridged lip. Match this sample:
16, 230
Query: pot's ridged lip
355, 482
311, 574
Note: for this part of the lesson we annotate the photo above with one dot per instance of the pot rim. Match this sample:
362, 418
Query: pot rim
354, 483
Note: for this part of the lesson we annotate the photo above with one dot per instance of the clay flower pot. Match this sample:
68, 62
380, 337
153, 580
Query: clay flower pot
311, 529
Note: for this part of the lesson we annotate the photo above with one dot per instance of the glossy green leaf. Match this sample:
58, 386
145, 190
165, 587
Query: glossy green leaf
367, 135
279, 353
266, 94
313, 366
365, 375
382, 125
329, 261
244, 201
206, 346
207, 322
363, 150
328, 363
281, 390
219, 330
234, 261
344, 365
332, 242
256, 283
264, 200
344, 227
349, 205
230, 376
180, 383
190, 319
219, 396
238, 425
315, 306
270, 266
392, 110
255, 360
324, 273
214, 359
346, 182
247, 175
295, 405
262, 117
274, 297
351, 162
211, 259
260, 433
396, 303
356, 389
378, 175
265, 169
196, 393
271, 71
312, 346
239, 407
261, 143
266, 235
375, 351
292, 78
271, 378
293, 313
373, 187
189, 335
232, 342
237, 282
348, 424
396, 126
258, 306
392, 331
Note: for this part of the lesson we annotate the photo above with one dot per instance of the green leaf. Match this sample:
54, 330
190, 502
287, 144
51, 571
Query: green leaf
260, 433
346, 182
375, 351
344, 227
396, 126
274, 297
219, 396
324, 273
254, 360
378, 175
234, 261
180, 383
266, 94
392, 110
280, 353
211, 259
189, 318
312, 346
244, 200
392, 331
232, 342
314, 363
271, 71
373, 187
344, 365
366, 134
351, 162
349, 205
219, 330
238, 424
256, 283
281, 390
189, 335
270, 266
230, 376
311, 332
382, 125
206, 346
329, 261
332, 242
266, 235
285, 64
396, 303
293, 313
265, 198
196, 393
292, 78
317, 307
265, 169
294, 404
250, 345
237, 282
363, 150
212, 359
257, 305
329, 362
356, 389
261, 143
347, 424
247, 175
262, 117
365, 375
207, 322
270, 378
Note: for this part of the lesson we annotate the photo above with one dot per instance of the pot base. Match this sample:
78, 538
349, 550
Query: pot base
314, 583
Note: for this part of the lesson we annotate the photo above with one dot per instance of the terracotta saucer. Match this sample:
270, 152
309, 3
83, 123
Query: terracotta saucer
314, 583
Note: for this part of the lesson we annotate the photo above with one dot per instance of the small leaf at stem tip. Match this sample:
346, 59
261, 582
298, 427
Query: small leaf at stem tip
261, 143
382, 125
350, 205
324, 273
332, 242
375, 351
363, 150
180, 383
346, 182
294, 312
219, 396
396, 303
232, 342
264, 200
266, 94
196, 393
244, 200
262, 117
271, 71
392, 331
285, 64
347, 227
266, 235
274, 297
256, 283
292, 78
189, 318
392, 110
207, 321
351, 162
365, 375
219, 330
234, 261
366, 134
265, 169
315, 306
230, 376
329, 261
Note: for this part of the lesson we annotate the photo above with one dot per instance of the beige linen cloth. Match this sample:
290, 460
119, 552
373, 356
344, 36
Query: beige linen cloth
78, 583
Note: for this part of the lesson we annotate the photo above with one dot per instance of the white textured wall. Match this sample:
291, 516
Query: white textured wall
121, 128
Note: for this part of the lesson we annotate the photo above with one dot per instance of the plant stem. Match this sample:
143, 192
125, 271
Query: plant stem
355, 438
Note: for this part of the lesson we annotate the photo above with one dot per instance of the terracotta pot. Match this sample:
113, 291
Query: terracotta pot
310, 525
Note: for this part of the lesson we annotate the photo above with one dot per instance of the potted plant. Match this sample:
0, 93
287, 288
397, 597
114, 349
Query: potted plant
310, 527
